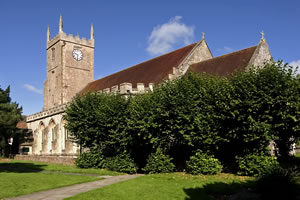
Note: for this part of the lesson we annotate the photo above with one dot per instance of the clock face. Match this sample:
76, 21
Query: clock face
77, 54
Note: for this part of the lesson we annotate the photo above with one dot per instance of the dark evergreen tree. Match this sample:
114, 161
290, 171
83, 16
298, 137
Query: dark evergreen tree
10, 114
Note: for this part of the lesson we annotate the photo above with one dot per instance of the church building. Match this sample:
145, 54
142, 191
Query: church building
70, 70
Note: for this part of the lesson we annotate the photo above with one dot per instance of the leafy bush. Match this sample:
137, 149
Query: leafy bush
89, 160
254, 164
159, 163
202, 163
121, 163
277, 183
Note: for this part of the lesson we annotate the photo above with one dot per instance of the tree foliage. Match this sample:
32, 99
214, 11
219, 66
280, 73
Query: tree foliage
97, 121
10, 114
265, 106
227, 117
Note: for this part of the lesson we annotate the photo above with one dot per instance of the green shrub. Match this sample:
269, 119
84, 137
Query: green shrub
89, 160
253, 165
277, 183
121, 163
159, 163
202, 163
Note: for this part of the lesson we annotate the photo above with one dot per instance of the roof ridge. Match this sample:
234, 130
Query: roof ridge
225, 64
146, 61
229, 54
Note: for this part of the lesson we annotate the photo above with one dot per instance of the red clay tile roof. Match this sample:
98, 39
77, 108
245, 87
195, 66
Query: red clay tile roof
226, 64
151, 71
22, 125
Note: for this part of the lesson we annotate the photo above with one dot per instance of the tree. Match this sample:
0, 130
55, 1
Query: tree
281, 89
265, 106
97, 121
178, 116
10, 114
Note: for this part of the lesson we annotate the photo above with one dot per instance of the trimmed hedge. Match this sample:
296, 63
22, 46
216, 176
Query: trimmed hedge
121, 163
202, 163
159, 163
254, 165
89, 160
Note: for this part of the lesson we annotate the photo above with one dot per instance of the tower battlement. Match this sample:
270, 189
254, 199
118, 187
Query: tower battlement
127, 88
69, 38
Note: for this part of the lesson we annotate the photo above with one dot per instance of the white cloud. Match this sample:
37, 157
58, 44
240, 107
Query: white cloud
295, 64
165, 36
32, 88
225, 49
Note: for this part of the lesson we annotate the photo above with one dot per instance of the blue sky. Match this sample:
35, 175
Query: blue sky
130, 32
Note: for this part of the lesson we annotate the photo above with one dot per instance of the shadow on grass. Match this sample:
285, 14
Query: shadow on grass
220, 190
21, 167
291, 162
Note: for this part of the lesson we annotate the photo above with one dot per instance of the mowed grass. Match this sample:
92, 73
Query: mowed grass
15, 184
29, 166
170, 186
24, 177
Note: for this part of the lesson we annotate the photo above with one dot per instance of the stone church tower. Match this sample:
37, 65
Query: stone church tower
70, 66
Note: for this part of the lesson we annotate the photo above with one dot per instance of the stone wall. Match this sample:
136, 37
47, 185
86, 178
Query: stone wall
261, 55
297, 149
200, 53
66, 160
50, 136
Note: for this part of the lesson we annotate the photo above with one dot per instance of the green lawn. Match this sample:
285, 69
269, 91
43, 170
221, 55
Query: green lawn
29, 166
15, 183
22, 177
170, 186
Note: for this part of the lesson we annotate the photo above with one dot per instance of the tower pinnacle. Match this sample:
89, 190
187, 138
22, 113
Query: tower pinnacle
48, 34
203, 35
262, 35
92, 32
60, 24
